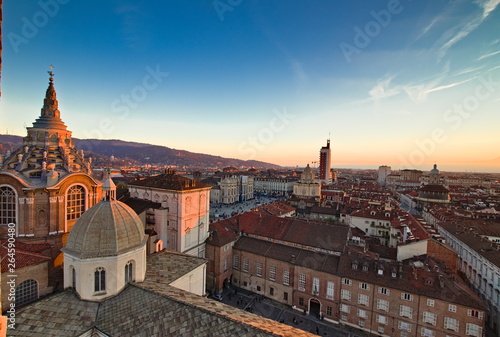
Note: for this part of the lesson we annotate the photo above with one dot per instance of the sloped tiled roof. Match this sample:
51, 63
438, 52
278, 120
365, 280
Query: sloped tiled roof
169, 181
141, 205
301, 257
293, 230
23, 258
166, 266
221, 233
410, 279
470, 233
144, 309
31, 247
68, 316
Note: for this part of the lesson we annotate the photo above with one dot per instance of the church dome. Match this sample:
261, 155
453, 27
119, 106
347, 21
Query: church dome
434, 170
109, 228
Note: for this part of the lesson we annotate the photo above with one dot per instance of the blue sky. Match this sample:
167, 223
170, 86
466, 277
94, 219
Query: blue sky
402, 83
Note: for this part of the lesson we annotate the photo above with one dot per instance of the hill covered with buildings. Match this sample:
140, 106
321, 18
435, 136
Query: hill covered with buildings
104, 150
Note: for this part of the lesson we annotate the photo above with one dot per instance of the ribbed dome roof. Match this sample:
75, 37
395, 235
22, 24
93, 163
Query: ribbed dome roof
109, 228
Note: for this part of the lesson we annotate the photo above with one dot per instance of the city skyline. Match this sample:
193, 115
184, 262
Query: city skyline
397, 83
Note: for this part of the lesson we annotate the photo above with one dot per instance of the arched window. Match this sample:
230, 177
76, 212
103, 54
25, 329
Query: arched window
26, 292
188, 204
75, 202
100, 280
7, 205
73, 277
129, 272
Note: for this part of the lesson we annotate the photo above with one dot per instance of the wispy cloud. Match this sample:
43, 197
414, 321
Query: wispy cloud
428, 27
458, 32
468, 70
383, 89
447, 86
488, 6
418, 92
487, 55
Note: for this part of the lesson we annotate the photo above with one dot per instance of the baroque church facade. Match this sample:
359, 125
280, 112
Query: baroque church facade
46, 185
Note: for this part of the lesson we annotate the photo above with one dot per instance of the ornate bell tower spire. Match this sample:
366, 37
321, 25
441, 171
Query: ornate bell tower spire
50, 116
48, 151
50, 104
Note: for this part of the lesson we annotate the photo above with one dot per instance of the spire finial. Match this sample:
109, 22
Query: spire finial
51, 73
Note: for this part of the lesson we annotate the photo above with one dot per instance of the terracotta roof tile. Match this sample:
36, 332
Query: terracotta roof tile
23, 258
169, 181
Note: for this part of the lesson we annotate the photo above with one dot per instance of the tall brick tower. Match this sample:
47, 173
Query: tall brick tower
325, 157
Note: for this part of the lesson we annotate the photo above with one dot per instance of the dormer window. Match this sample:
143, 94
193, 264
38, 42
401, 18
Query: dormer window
365, 267
355, 265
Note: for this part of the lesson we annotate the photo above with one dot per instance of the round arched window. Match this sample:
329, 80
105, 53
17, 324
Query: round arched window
7, 205
75, 202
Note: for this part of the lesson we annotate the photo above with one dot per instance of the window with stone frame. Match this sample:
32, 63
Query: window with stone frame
473, 330
427, 332
7, 205
272, 273
330, 287
363, 299
404, 326
302, 282
99, 280
75, 202
236, 261
345, 308
286, 277
451, 324
429, 318
129, 272
345, 295
405, 311
475, 313
382, 305
315, 285
381, 319
259, 269
384, 291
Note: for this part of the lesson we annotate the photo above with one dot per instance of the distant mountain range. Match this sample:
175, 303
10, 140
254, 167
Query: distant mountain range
139, 153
